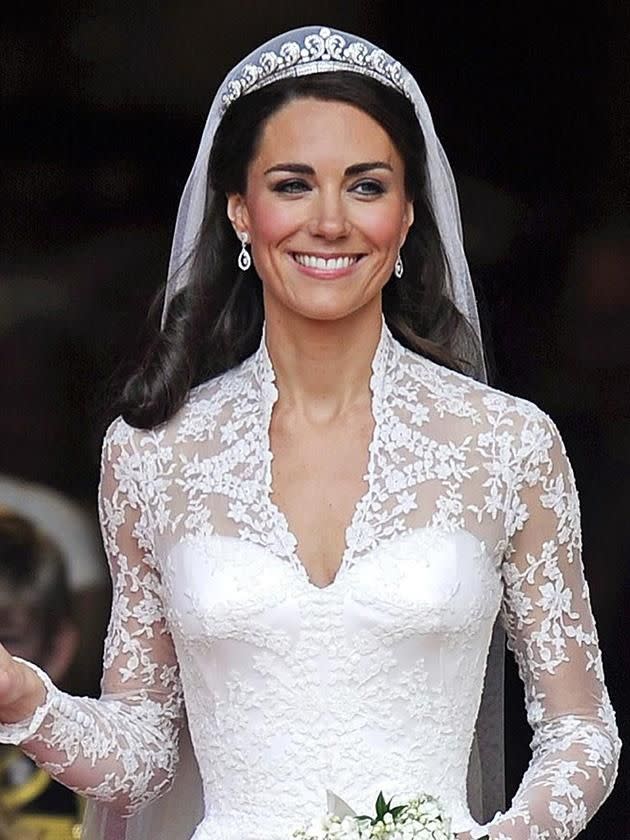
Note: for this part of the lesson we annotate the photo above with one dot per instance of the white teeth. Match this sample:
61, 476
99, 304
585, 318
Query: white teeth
333, 264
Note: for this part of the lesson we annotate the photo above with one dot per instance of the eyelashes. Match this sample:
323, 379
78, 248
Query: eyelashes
293, 186
367, 188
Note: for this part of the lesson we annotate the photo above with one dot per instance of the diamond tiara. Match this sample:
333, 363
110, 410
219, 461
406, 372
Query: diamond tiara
320, 53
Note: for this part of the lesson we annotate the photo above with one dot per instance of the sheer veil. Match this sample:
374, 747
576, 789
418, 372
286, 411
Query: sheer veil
317, 49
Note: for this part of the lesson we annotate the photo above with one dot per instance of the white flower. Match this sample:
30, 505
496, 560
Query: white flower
318, 827
421, 818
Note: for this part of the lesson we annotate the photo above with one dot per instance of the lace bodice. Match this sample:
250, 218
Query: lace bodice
373, 682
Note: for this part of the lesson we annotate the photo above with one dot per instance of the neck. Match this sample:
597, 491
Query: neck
323, 367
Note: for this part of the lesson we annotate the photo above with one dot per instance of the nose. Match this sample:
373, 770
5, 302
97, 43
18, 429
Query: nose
329, 219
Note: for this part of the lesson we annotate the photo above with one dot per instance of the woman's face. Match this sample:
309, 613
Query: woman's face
325, 209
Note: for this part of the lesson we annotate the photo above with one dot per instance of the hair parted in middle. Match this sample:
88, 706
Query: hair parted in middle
216, 321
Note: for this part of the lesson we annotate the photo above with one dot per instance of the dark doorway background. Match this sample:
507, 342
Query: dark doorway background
103, 105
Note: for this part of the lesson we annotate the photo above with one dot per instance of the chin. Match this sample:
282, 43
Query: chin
326, 304
325, 310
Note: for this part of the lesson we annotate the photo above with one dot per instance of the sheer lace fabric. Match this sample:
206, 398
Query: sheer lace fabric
373, 682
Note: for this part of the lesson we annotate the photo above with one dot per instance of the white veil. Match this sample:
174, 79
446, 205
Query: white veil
316, 49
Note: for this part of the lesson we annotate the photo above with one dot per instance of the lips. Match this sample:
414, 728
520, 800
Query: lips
333, 263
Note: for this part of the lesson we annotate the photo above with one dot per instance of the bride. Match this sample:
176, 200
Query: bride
315, 508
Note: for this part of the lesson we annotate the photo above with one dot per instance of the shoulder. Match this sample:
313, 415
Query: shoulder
123, 446
519, 421
207, 407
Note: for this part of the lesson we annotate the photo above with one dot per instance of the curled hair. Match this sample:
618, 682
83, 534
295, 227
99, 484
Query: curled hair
215, 321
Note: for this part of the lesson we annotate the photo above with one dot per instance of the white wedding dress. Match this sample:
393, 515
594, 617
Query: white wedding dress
372, 683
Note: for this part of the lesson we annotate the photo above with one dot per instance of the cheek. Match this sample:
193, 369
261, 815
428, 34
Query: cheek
272, 221
382, 225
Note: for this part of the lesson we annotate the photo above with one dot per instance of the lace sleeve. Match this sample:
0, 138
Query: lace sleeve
550, 628
121, 748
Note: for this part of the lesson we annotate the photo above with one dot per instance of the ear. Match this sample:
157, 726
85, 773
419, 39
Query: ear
237, 213
408, 218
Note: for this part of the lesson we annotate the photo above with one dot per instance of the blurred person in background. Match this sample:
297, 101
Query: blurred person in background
47, 469
36, 623
68, 525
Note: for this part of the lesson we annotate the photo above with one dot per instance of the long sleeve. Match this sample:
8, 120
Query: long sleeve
122, 748
551, 631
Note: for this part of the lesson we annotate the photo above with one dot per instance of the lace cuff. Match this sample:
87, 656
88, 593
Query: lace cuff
24, 730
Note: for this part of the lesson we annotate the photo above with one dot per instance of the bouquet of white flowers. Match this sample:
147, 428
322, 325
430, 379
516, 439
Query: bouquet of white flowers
421, 818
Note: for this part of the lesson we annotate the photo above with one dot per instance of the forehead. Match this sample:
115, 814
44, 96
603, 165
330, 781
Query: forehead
306, 130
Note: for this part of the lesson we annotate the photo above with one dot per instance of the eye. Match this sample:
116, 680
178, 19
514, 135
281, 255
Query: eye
294, 185
368, 188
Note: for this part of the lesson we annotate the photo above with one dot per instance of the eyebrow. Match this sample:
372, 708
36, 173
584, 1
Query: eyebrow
305, 169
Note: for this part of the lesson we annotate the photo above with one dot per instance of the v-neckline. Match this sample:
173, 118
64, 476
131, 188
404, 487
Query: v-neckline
278, 520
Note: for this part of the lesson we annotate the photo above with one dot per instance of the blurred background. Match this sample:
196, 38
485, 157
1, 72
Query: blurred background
103, 105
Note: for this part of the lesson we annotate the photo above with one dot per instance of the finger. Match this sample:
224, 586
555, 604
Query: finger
12, 682
7, 672
21, 690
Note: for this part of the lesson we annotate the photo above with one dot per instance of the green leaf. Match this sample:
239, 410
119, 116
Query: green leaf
395, 811
381, 806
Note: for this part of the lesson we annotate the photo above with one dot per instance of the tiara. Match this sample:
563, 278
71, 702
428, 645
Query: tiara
320, 53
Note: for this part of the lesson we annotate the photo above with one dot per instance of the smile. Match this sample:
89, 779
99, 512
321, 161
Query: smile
326, 264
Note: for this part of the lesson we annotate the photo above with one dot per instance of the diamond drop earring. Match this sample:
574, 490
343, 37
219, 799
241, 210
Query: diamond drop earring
399, 268
244, 257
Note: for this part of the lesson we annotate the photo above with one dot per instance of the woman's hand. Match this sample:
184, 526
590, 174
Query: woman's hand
21, 690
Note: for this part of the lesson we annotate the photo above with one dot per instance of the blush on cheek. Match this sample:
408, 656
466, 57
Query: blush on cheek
382, 224
378, 225
384, 231
272, 221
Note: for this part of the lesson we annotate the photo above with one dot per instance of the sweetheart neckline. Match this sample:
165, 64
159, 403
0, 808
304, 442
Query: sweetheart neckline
300, 570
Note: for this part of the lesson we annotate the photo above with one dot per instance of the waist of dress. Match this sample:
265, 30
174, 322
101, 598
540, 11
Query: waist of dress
230, 827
